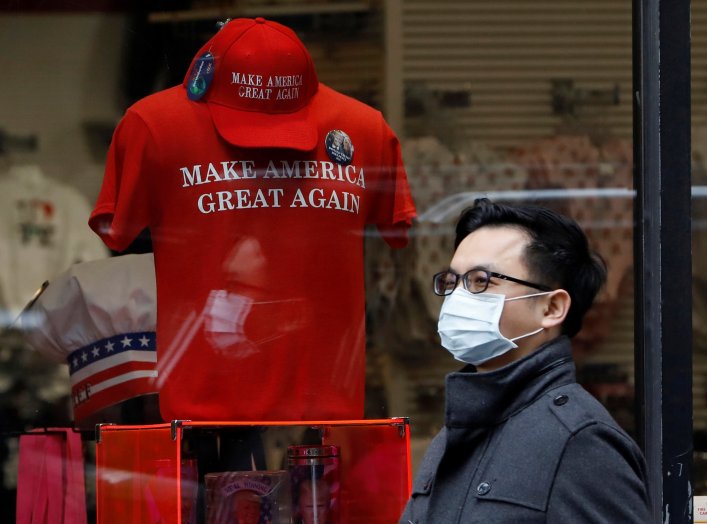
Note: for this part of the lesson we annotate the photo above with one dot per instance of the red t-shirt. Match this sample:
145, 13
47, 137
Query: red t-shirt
258, 255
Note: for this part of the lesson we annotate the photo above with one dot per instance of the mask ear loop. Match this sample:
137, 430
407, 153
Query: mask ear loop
530, 295
527, 334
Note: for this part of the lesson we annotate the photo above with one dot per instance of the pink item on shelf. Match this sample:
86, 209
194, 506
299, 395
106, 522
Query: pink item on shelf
50, 481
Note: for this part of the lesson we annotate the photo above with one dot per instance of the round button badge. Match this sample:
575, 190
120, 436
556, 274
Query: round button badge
339, 146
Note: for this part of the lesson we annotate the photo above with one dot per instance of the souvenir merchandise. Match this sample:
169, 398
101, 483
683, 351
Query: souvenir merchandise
99, 318
247, 497
257, 184
50, 477
43, 232
314, 477
348, 471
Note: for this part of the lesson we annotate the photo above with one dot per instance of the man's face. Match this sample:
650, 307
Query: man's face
500, 249
314, 503
247, 510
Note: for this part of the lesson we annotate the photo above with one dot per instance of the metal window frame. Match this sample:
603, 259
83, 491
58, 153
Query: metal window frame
662, 252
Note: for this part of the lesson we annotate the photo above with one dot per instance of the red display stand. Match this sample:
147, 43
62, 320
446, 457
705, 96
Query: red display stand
138, 481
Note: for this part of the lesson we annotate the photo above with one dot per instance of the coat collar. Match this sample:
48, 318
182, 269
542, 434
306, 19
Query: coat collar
476, 400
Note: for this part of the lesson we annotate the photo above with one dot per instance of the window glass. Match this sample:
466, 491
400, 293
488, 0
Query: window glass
520, 103
515, 101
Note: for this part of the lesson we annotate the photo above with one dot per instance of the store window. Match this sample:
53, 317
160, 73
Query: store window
522, 103
517, 102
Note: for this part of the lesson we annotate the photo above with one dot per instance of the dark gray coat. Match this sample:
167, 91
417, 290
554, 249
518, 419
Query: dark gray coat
526, 443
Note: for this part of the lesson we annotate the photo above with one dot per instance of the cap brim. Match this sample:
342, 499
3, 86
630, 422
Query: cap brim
253, 129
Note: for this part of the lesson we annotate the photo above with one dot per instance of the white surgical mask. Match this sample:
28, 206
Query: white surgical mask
469, 325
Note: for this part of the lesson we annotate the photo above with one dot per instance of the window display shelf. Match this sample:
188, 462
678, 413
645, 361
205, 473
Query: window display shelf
137, 478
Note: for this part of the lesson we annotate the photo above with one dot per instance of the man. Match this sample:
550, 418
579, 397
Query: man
522, 441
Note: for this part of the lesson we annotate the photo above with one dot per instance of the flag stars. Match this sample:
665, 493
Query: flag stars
109, 347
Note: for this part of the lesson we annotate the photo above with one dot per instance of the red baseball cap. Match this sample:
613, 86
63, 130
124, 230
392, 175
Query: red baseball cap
257, 79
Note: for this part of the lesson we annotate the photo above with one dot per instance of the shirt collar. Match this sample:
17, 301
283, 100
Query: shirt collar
477, 399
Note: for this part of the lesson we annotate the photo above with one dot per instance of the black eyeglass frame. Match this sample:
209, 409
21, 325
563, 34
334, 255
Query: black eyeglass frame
490, 274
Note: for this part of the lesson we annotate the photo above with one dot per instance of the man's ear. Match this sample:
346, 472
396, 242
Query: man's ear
556, 307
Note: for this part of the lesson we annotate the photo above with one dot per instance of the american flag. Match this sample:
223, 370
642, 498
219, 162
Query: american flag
112, 370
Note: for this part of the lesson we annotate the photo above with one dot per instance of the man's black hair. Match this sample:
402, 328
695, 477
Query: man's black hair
557, 256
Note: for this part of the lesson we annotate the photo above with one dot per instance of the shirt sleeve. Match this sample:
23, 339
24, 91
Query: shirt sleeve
122, 209
601, 478
394, 208
82, 244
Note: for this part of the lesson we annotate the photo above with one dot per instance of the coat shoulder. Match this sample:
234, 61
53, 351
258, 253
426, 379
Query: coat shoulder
548, 424
575, 408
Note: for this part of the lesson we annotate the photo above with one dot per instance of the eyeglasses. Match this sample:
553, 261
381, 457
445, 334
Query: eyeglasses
474, 281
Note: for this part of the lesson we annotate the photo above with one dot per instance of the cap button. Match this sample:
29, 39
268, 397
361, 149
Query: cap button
260, 20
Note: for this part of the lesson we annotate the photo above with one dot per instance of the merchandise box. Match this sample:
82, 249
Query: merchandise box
187, 472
